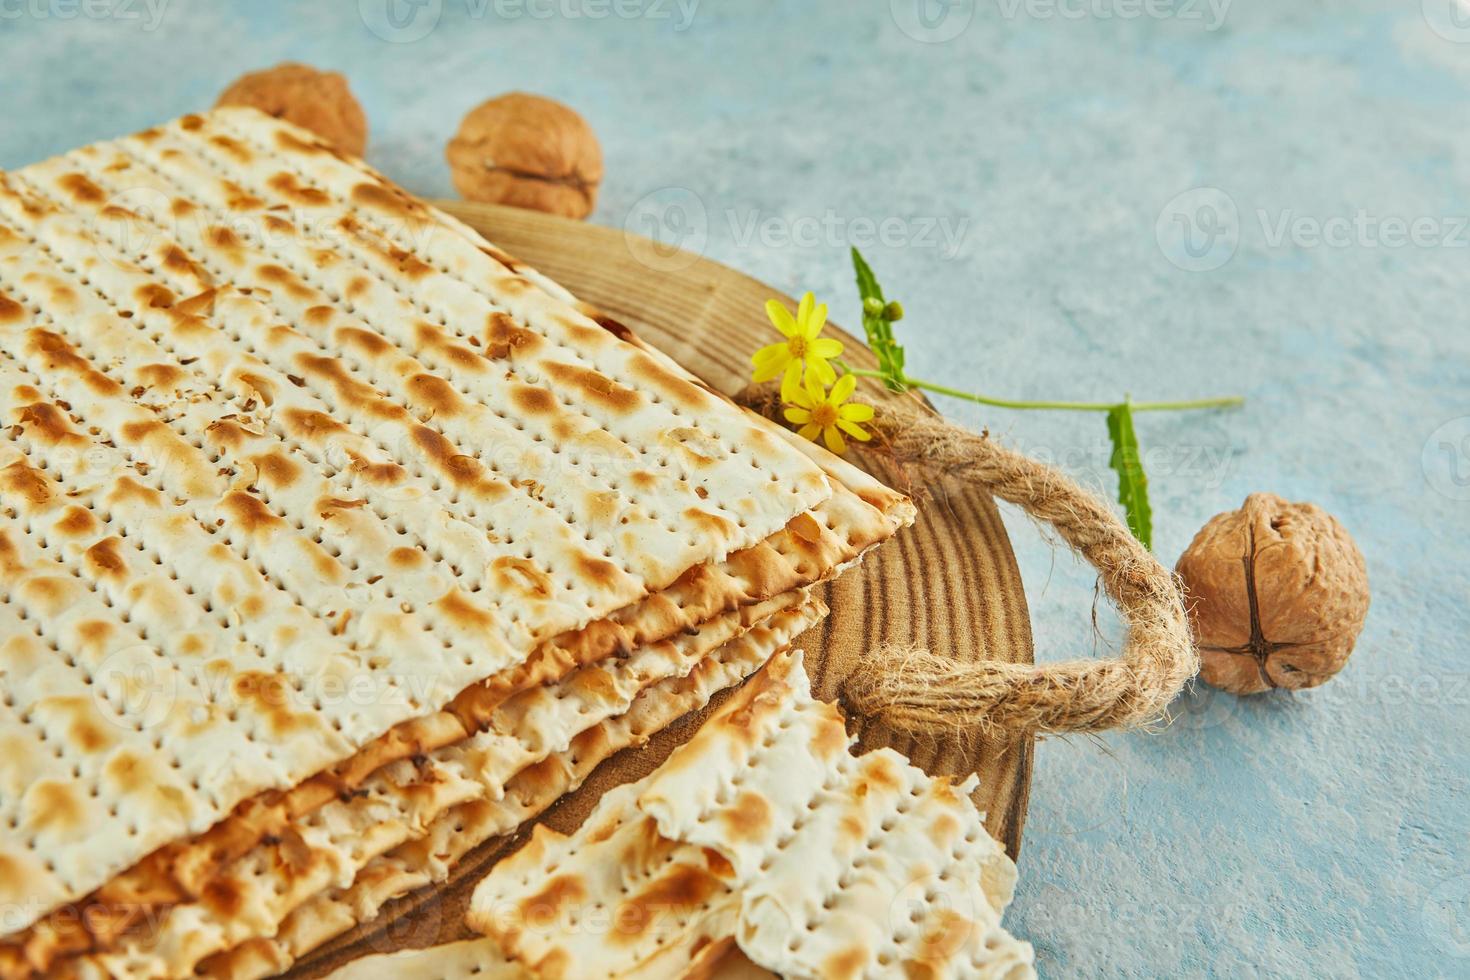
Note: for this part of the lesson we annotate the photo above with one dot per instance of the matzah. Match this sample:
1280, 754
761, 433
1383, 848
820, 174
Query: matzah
432, 857
529, 471
764, 829
812, 547
403, 802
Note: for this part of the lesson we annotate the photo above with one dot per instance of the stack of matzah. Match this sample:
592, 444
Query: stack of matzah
332, 543
764, 833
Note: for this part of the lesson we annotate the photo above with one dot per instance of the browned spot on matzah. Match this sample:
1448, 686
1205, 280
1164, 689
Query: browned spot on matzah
53, 806
439, 395
21, 480
10, 310
749, 818
271, 695
276, 468
218, 236
682, 889
191, 122
167, 376
546, 905
849, 963
105, 559
154, 296
504, 337
308, 425
595, 387
462, 612
376, 195
233, 147
289, 187
532, 400
251, 513
81, 188
77, 521
521, 576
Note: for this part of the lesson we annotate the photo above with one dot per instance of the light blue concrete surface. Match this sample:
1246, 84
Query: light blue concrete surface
1028, 158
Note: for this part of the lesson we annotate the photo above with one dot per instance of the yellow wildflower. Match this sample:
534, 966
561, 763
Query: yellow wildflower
820, 413
802, 352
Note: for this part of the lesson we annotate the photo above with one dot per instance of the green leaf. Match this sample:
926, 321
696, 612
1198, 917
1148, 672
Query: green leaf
878, 326
1132, 481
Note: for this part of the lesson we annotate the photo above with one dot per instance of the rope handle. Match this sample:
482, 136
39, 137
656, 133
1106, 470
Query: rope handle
928, 694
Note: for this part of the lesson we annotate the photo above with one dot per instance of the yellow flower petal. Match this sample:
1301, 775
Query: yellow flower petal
769, 369
843, 389
824, 371
800, 398
798, 415
780, 317
834, 441
780, 349
855, 412
825, 347
791, 381
814, 323
814, 390
804, 309
809, 431
854, 430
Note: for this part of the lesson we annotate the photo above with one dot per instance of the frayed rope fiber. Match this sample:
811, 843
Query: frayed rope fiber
922, 692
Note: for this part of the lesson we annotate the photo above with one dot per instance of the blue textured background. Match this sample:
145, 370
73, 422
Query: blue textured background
1324, 833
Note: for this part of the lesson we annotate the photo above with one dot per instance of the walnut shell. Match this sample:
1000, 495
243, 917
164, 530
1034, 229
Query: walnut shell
316, 100
1278, 594
528, 152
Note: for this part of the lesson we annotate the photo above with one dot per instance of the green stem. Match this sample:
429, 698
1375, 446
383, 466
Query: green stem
1228, 402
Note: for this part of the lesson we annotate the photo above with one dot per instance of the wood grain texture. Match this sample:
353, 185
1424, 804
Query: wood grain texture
949, 583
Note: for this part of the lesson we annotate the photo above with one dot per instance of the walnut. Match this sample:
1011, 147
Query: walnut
316, 100
528, 152
1278, 593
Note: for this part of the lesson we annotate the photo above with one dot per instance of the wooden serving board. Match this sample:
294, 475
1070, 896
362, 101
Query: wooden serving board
949, 583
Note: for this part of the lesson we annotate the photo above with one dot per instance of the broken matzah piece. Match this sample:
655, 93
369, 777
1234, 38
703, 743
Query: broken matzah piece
470, 418
765, 829
403, 803
432, 857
